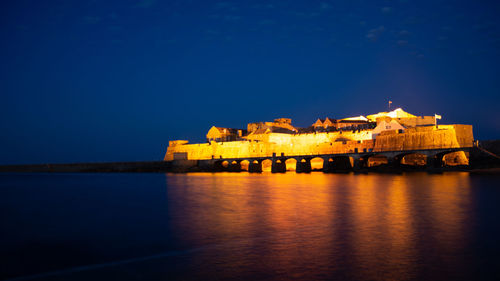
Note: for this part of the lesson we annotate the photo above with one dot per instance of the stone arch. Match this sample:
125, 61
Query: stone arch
244, 165
414, 159
266, 165
225, 164
291, 164
377, 160
455, 158
317, 163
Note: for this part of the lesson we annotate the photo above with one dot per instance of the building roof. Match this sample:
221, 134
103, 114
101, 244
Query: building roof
216, 132
223, 130
357, 118
396, 113
384, 126
353, 121
268, 130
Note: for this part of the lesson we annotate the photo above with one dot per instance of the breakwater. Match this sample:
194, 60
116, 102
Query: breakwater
106, 167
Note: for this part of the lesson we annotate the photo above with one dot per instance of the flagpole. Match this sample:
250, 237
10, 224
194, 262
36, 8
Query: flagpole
436, 117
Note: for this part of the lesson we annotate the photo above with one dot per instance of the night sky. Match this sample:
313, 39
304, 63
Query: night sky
116, 80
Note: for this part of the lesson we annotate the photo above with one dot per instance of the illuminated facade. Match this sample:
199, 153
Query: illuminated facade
377, 133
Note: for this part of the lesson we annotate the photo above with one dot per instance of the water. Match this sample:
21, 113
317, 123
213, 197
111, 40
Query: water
244, 226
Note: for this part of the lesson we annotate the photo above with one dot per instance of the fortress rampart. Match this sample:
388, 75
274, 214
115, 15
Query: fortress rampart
391, 134
418, 138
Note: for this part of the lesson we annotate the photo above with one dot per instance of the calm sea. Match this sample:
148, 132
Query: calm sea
240, 226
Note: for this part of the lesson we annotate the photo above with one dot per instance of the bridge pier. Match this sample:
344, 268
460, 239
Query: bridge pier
394, 162
255, 167
339, 164
278, 166
328, 166
356, 163
434, 161
303, 167
234, 166
216, 166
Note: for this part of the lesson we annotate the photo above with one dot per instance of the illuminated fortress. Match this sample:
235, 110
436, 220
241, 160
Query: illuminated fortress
393, 138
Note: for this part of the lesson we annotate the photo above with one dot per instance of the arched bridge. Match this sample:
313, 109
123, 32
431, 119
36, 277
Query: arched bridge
434, 158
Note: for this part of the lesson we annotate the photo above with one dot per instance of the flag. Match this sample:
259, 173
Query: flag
437, 116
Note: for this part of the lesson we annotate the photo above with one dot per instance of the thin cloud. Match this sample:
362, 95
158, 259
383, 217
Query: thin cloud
374, 33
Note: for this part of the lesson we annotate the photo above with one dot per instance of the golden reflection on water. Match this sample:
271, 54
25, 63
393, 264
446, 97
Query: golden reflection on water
449, 198
379, 225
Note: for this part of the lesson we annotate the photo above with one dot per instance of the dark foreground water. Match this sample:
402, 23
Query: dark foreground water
249, 227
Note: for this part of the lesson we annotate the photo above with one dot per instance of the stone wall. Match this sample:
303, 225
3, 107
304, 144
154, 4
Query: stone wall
288, 144
445, 136
430, 137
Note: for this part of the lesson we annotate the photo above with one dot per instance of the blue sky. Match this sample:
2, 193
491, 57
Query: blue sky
116, 80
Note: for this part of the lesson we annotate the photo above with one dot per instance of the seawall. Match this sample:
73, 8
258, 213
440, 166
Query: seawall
108, 167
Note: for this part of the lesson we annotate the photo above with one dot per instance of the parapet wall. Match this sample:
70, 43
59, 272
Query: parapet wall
286, 144
430, 137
